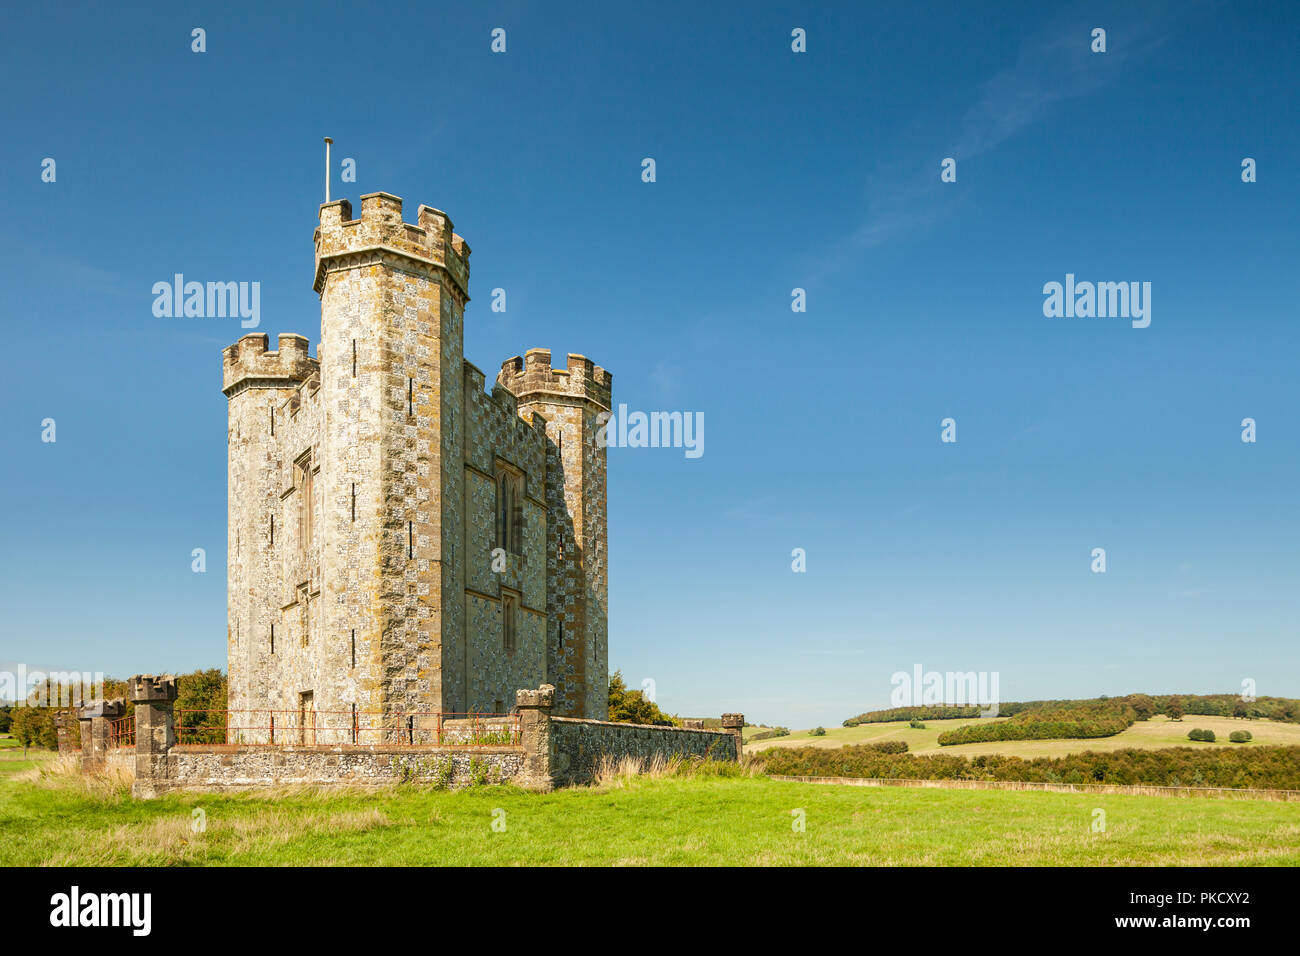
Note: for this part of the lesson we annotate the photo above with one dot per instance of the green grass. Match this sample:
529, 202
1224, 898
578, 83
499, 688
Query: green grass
1154, 733
698, 820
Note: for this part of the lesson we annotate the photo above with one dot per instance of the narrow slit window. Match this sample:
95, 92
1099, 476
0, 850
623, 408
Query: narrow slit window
509, 606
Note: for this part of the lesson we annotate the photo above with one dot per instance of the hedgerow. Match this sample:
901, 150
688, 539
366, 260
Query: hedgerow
1245, 767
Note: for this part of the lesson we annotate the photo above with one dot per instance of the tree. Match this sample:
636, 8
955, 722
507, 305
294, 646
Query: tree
34, 727
631, 707
1143, 706
1174, 709
1239, 709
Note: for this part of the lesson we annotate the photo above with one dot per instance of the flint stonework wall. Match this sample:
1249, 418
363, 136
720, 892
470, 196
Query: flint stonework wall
579, 746
257, 767
536, 750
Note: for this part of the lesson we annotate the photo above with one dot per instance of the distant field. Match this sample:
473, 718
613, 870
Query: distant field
1151, 734
917, 740
669, 821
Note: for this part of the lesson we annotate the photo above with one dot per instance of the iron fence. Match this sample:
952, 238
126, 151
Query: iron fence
311, 728
121, 732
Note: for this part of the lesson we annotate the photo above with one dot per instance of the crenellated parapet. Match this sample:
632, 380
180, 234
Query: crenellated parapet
532, 378
249, 364
381, 235
152, 689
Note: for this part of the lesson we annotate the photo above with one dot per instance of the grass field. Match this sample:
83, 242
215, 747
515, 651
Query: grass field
697, 820
1154, 733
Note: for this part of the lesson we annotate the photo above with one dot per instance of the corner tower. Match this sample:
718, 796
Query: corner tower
577, 599
392, 296
259, 385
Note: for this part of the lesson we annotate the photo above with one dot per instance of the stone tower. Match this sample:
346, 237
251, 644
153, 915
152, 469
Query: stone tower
392, 303
570, 401
402, 542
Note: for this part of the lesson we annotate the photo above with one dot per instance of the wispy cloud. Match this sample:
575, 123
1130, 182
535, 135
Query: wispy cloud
1052, 67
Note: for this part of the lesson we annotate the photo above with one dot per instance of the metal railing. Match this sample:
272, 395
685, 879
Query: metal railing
121, 732
333, 728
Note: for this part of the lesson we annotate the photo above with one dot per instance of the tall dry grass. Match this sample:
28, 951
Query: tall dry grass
63, 772
620, 772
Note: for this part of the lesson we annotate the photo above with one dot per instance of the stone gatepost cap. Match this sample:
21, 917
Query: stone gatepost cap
148, 689
544, 696
733, 721
103, 708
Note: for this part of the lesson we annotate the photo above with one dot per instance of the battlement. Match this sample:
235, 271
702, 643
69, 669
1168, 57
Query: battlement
150, 689
430, 242
532, 377
248, 362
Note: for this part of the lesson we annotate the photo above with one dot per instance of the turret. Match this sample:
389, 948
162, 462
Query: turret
380, 231
572, 401
248, 364
532, 379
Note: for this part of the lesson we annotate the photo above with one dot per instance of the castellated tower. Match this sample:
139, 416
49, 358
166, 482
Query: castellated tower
577, 595
400, 541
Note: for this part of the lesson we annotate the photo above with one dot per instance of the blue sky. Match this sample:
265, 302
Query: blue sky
775, 170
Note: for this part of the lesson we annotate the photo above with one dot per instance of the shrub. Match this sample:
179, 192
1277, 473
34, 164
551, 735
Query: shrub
1240, 736
890, 746
817, 732
1204, 735
916, 724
